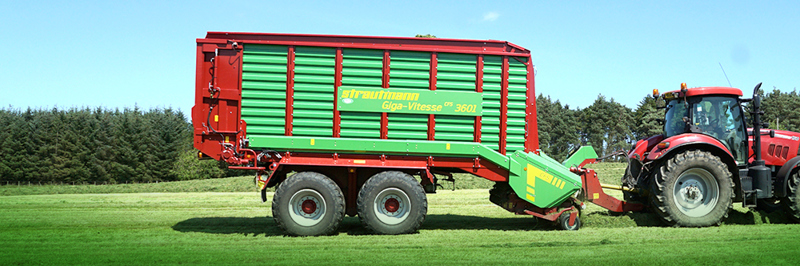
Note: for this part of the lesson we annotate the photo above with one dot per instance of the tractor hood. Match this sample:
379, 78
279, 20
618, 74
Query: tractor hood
777, 148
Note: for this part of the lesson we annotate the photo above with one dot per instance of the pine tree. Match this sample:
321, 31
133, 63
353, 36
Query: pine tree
645, 118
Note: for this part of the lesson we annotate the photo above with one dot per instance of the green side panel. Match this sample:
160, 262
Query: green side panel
541, 180
455, 72
314, 73
517, 88
490, 122
408, 126
361, 68
264, 89
381, 146
360, 125
409, 70
455, 128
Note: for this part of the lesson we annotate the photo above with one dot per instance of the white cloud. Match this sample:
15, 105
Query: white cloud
491, 16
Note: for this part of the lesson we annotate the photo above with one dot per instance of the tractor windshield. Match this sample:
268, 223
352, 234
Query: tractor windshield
716, 116
674, 124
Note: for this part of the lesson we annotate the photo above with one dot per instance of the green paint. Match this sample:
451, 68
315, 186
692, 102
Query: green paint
520, 165
541, 180
409, 101
577, 157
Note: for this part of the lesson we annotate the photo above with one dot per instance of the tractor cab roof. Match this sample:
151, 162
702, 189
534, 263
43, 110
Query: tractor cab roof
701, 91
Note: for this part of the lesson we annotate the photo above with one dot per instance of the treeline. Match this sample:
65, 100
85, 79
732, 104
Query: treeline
132, 145
99, 145
609, 126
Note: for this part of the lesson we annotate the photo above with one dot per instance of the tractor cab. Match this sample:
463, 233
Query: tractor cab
712, 111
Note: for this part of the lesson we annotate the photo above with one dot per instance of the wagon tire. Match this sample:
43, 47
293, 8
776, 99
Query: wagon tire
392, 203
692, 189
308, 204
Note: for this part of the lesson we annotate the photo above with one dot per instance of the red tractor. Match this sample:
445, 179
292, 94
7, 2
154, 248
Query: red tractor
707, 158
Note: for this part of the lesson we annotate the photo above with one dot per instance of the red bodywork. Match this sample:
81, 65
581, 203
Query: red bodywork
218, 84
776, 150
219, 132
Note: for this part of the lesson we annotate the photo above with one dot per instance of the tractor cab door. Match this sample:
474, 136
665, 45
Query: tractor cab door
722, 118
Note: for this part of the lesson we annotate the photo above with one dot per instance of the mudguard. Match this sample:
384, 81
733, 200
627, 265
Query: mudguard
676, 142
782, 179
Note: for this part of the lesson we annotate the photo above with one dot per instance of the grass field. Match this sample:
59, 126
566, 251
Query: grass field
462, 227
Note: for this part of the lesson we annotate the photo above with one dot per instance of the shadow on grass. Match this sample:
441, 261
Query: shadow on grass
257, 226
248, 226
735, 217
757, 217
266, 226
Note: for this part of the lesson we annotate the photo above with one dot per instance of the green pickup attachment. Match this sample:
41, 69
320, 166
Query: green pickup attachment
541, 180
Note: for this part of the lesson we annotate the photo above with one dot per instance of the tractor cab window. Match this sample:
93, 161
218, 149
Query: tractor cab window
721, 118
673, 122
716, 116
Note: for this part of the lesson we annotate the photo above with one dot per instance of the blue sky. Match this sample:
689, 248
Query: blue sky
125, 53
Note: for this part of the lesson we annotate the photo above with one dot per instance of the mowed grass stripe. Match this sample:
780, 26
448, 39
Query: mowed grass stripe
462, 227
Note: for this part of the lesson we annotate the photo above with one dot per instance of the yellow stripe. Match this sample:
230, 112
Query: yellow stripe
530, 190
360, 161
530, 198
448, 146
562, 185
531, 176
312, 141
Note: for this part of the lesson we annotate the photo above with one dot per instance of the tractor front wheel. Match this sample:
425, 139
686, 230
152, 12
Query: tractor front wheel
693, 188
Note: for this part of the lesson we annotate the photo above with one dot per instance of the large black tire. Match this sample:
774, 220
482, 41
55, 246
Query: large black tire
693, 189
392, 203
308, 204
791, 203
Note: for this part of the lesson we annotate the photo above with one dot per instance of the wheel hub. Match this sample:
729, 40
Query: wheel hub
391, 205
692, 192
696, 192
309, 206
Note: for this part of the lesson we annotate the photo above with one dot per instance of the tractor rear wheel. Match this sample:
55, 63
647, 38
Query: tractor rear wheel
392, 203
792, 201
308, 204
693, 188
